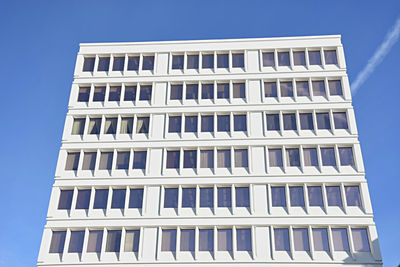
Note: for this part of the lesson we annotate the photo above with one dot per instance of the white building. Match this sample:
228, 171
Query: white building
191, 153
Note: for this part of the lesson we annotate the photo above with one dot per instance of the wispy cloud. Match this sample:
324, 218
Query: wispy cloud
390, 39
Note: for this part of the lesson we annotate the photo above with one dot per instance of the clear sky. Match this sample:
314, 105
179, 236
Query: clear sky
39, 43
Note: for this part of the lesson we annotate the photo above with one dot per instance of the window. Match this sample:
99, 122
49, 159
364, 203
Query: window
340, 120
296, 196
132, 240
275, 157
65, 200
328, 157
189, 159
273, 122
241, 158
293, 157
118, 199
145, 92
270, 89
314, 57
281, 239
94, 126
133, 63
148, 63
168, 242
207, 91
187, 240
238, 60
223, 158
130, 93
243, 239
224, 197
302, 88
340, 239
192, 91
242, 197
206, 159
318, 88
191, 124
335, 87
223, 91
173, 159
99, 94
268, 59
174, 125
192, 62
83, 199
286, 89
207, 123
176, 92
83, 95
76, 241
78, 126
239, 123
330, 57
346, 156
299, 58
57, 242
360, 240
136, 198
289, 121
113, 241
283, 59
126, 125
310, 157
300, 236
206, 197
95, 240
188, 197
208, 61
106, 159
320, 238
72, 161
139, 160
171, 198
104, 64
278, 196
224, 240
100, 199
119, 63
142, 125
206, 240
110, 126
323, 121
306, 121
177, 62
352, 196
223, 61
115, 93
89, 161
88, 64
315, 196
239, 90
333, 195
223, 123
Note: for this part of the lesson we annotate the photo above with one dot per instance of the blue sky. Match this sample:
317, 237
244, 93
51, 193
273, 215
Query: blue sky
39, 45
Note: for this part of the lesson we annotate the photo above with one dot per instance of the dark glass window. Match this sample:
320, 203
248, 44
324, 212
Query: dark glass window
273, 122
88, 64
139, 160
206, 197
283, 59
119, 63
111, 126
100, 199
310, 157
187, 240
314, 57
224, 197
188, 197
289, 122
223, 61
306, 121
192, 91
206, 239
223, 123
320, 238
360, 240
241, 158
99, 94
223, 158
175, 123
173, 159
346, 156
78, 126
333, 195
207, 123
192, 62
318, 88
118, 199
300, 236
208, 61
191, 124
207, 91
113, 241
176, 92
239, 90
189, 159
89, 161
243, 239
148, 63
323, 121
65, 200
239, 123
353, 196
268, 59
83, 199
76, 241
340, 120
171, 198
123, 160
168, 241
242, 197
315, 196
72, 161
142, 125
335, 87
340, 239
224, 239
330, 57
132, 240
270, 89
281, 239
106, 160
293, 157
84, 93
115, 93
275, 157
328, 157
223, 91
302, 88
130, 93
206, 159
57, 242
238, 60
296, 196
299, 58
286, 89
133, 63
104, 64
145, 92
177, 62
126, 125
136, 198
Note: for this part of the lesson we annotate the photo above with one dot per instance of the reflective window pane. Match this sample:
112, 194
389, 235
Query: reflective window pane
224, 240
296, 196
353, 196
139, 160
106, 160
118, 64
207, 123
76, 241
207, 159
238, 60
314, 57
192, 91
122, 160
94, 126
241, 158
208, 61
283, 59
188, 197
273, 122
187, 240
239, 123
177, 62
171, 198
223, 61
310, 157
340, 120
243, 239
100, 199
190, 159
207, 91
275, 157
299, 58
168, 241
293, 157
83, 199
113, 241
330, 57
72, 161
118, 198
315, 196
334, 196
88, 64
223, 123
99, 94
206, 240
328, 157
174, 125
78, 126
360, 240
223, 91
148, 63
206, 197
57, 242
239, 90
64, 203
306, 121
176, 92
300, 236
192, 62
302, 88
95, 240
281, 236
335, 87
268, 59
286, 89
84, 93
278, 196
223, 158
340, 239
320, 238
143, 125
173, 159
104, 64
191, 124
270, 89
289, 122
126, 125
318, 88
242, 197
110, 126
136, 198
323, 121
224, 197
145, 92
133, 63
132, 241
346, 156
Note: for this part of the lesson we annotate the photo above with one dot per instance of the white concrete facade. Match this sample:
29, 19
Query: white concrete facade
261, 216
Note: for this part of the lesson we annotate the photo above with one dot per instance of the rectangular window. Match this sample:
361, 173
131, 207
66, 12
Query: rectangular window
136, 198
289, 122
72, 161
188, 197
207, 91
340, 239
268, 59
239, 90
242, 197
224, 239
126, 125
238, 60
83, 199
286, 89
281, 239
191, 124
133, 63
299, 58
95, 240
176, 92
110, 126
224, 158
278, 196
335, 87
206, 240
106, 159
99, 94
130, 93
334, 196
270, 89
94, 126
139, 160
173, 159
241, 158
65, 200
119, 63
76, 241
132, 241
145, 92
206, 159
187, 240
306, 121
223, 123
123, 160
89, 161
330, 57
192, 62
352, 196
318, 88
104, 64
57, 242
88, 64
192, 91
328, 157
118, 199
207, 123
170, 197
300, 236
323, 121
360, 240
239, 123
223, 91
293, 157
340, 120
143, 125
315, 196
78, 126
148, 63
314, 57
208, 61
177, 62
113, 241
168, 242
320, 238
115, 93
84, 93
223, 61
273, 122
302, 88
283, 59
100, 199
243, 239
346, 156
296, 196
206, 197
310, 157
275, 157
190, 159
224, 197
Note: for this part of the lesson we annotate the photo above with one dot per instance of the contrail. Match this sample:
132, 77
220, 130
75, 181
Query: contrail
390, 39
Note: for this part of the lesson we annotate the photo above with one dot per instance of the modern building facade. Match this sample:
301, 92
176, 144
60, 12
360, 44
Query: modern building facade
193, 153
